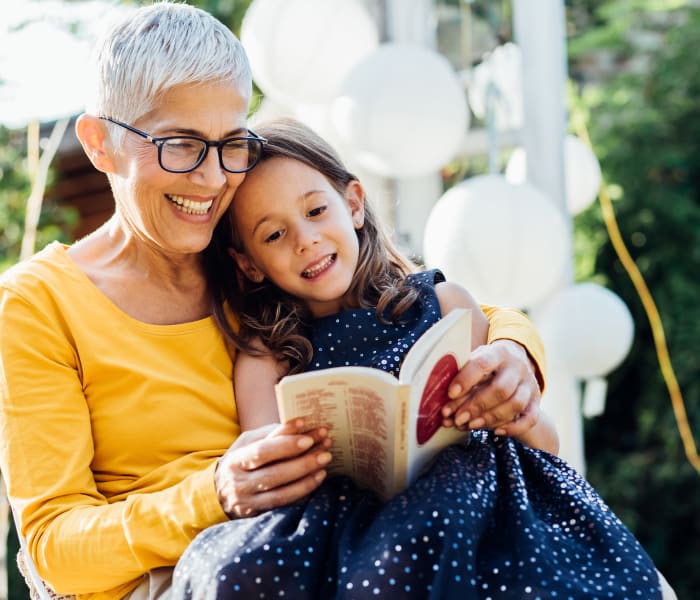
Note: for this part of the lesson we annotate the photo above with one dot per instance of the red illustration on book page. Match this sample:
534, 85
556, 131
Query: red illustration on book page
434, 397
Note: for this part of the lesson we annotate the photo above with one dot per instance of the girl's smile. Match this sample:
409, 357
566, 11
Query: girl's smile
320, 267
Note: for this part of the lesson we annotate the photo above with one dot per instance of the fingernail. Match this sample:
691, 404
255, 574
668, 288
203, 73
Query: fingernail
476, 423
500, 431
324, 458
454, 391
306, 442
320, 476
446, 411
461, 419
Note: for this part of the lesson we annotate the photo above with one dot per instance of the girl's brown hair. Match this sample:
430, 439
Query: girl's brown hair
271, 315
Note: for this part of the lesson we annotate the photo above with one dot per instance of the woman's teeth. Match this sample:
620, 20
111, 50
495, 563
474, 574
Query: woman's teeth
316, 269
190, 206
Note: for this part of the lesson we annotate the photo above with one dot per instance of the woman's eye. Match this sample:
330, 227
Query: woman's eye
315, 212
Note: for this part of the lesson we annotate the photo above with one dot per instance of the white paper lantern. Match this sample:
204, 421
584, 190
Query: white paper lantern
508, 244
582, 171
300, 51
402, 111
587, 329
499, 79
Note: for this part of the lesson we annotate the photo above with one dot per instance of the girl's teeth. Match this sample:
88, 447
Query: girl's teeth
318, 268
190, 206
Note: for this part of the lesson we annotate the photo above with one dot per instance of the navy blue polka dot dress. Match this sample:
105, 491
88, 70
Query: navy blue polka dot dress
357, 337
491, 518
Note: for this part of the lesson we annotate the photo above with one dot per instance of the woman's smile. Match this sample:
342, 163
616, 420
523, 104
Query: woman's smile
191, 207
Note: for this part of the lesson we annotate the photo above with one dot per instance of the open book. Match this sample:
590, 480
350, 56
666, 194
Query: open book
385, 430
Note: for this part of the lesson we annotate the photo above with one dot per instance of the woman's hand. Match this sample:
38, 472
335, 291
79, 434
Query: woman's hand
496, 389
270, 467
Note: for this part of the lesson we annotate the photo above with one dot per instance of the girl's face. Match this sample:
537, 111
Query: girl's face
299, 232
175, 213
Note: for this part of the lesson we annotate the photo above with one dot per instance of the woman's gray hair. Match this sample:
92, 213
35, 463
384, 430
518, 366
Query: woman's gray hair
155, 48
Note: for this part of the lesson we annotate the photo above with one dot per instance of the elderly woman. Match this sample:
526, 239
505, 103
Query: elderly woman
119, 426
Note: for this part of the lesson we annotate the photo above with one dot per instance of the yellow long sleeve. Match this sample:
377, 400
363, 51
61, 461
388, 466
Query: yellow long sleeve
102, 496
512, 324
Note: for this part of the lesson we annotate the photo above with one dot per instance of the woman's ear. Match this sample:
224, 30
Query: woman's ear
247, 266
93, 136
355, 197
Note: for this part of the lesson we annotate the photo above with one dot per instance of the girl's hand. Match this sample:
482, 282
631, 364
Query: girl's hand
496, 389
270, 467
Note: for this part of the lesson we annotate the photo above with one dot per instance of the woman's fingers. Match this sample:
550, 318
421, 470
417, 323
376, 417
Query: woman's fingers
280, 496
521, 423
507, 398
504, 393
274, 469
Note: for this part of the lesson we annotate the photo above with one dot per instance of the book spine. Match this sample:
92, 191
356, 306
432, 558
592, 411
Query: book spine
402, 438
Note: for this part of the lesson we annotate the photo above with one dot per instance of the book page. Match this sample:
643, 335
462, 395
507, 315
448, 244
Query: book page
359, 407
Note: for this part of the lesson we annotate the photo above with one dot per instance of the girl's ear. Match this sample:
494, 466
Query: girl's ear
355, 197
94, 137
247, 266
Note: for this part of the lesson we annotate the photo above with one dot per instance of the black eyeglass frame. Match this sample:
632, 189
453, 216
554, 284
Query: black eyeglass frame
160, 141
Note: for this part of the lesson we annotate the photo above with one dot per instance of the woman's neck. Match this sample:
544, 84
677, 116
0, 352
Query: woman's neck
146, 284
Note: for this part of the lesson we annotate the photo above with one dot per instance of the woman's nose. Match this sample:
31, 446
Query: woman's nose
210, 170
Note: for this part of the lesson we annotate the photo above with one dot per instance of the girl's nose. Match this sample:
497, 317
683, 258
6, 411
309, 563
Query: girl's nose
306, 236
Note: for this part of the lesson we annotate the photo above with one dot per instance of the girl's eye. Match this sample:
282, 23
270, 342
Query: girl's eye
273, 237
319, 210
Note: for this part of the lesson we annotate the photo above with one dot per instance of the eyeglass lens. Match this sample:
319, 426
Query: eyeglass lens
183, 154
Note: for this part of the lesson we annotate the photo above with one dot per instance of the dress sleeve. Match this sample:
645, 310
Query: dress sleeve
512, 324
80, 542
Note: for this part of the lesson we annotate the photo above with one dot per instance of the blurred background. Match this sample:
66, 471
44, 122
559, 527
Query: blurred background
546, 154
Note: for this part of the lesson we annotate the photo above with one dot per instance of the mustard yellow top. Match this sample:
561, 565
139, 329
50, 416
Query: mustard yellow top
110, 428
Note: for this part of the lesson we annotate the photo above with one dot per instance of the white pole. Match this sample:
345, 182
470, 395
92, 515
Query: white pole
412, 22
539, 29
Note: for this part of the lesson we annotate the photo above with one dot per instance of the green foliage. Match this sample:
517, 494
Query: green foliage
56, 222
645, 125
14, 190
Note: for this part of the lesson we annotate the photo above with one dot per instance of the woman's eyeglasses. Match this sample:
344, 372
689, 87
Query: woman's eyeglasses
184, 153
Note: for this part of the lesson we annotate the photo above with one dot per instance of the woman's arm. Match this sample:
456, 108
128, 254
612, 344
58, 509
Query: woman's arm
81, 540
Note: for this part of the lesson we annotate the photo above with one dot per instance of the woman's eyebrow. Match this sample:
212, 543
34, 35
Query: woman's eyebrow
239, 132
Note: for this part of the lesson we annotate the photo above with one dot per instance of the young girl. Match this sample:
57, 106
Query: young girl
318, 285
314, 265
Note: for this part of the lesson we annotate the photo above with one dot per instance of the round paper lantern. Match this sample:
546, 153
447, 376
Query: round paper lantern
402, 111
301, 50
587, 329
498, 79
507, 244
582, 171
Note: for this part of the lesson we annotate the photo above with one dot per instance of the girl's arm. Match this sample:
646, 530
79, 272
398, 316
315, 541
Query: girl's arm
506, 395
254, 379
450, 296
